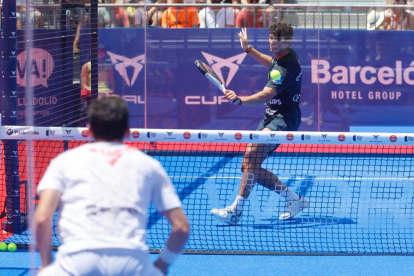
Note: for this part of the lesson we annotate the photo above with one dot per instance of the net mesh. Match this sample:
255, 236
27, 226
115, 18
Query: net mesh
360, 188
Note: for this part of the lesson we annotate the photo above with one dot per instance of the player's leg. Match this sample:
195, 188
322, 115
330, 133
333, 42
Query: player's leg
253, 158
294, 202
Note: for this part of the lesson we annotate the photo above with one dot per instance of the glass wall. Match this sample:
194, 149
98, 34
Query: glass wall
355, 59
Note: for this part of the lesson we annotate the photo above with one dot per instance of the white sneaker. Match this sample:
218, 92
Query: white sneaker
227, 215
294, 207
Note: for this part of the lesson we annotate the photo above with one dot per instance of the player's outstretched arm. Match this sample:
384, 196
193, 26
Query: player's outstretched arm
48, 203
260, 57
256, 99
180, 231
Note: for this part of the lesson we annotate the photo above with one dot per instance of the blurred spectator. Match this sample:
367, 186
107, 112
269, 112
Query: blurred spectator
113, 17
217, 17
78, 17
250, 17
36, 17
106, 83
153, 14
130, 11
398, 18
288, 15
375, 20
185, 17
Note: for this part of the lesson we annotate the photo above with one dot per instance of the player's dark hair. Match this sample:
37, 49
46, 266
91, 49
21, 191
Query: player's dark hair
108, 118
280, 29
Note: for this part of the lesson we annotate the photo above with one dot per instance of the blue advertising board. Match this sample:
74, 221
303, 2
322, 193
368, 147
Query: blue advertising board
350, 78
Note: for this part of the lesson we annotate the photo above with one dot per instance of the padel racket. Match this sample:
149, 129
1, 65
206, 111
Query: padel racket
211, 76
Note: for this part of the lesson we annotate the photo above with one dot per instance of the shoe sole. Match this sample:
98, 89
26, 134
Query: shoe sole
220, 219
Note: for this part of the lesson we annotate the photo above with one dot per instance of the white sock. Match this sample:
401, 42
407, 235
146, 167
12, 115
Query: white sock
238, 204
289, 195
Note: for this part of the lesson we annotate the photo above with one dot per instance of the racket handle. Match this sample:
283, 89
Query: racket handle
237, 101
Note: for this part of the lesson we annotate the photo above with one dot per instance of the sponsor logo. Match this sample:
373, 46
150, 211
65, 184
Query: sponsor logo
279, 81
68, 131
341, 137
409, 138
290, 137
376, 138
12, 131
324, 136
272, 135
151, 134
393, 138
238, 136
187, 135
232, 63
296, 98
275, 101
357, 138
122, 63
202, 135
13, 35
135, 134
50, 132
202, 100
85, 133
253, 136
220, 134
169, 136
13, 94
368, 75
41, 67
305, 137
14, 114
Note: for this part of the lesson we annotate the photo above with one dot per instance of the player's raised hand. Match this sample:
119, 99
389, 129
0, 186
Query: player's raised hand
243, 38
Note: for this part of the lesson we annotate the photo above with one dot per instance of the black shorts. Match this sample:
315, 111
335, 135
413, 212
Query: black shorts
276, 124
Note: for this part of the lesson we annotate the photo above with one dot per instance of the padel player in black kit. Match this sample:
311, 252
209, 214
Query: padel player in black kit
282, 95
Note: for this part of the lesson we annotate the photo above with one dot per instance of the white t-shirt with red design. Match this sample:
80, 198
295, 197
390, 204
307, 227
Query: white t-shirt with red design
106, 190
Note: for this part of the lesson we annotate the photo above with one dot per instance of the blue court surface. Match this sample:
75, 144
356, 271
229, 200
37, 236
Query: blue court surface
18, 264
360, 220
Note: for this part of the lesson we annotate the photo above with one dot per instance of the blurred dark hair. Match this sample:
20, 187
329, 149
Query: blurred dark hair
280, 29
108, 118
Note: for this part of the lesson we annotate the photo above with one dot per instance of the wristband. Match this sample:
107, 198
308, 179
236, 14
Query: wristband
168, 256
237, 101
249, 48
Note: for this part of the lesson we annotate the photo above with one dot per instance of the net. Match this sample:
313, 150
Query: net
359, 185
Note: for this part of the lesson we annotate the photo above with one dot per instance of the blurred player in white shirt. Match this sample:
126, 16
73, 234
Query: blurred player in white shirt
102, 191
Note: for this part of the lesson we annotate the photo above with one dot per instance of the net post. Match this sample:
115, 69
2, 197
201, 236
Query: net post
13, 223
94, 48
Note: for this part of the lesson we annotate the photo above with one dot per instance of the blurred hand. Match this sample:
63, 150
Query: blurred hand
243, 38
